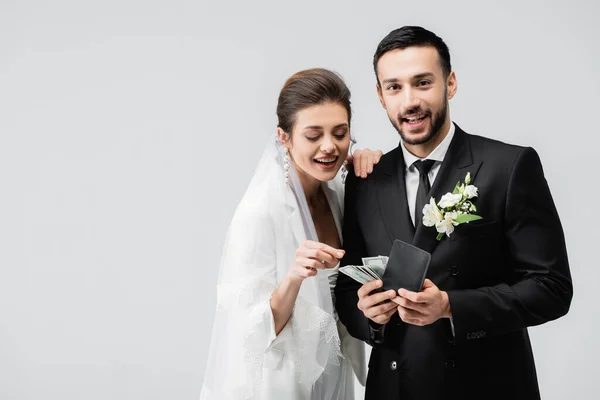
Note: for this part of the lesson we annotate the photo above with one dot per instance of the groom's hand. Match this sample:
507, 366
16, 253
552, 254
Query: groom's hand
425, 307
375, 306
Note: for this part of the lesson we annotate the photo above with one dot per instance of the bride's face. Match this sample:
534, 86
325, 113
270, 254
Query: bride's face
320, 140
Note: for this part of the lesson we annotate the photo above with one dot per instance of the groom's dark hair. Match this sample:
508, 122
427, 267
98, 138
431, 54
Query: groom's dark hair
409, 36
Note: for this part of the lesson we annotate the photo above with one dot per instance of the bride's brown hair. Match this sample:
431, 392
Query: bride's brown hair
309, 88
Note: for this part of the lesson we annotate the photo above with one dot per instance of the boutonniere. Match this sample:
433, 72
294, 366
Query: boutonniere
453, 209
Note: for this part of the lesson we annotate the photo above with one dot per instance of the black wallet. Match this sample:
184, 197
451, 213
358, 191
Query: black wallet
406, 268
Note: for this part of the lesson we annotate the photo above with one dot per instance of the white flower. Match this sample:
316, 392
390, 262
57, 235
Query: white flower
431, 214
457, 206
447, 224
450, 200
471, 191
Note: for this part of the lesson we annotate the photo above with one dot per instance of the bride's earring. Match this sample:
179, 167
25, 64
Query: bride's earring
344, 171
344, 168
286, 165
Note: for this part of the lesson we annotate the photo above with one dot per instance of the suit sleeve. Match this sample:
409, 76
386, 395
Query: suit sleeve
539, 288
346, 288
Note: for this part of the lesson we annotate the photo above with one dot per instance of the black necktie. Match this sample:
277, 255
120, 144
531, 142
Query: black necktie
423, 166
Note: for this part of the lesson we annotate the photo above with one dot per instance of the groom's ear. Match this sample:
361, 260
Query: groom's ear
380, 95
451, 84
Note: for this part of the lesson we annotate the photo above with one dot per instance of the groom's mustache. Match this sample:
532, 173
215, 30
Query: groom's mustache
415, 112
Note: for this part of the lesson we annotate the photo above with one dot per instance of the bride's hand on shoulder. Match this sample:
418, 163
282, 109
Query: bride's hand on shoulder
363, 161
311, 256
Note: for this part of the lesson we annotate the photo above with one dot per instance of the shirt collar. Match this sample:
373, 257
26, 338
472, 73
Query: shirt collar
437, 154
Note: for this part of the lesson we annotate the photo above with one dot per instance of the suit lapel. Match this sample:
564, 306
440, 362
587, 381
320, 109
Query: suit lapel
334, 206
294, 218
457, 162
391, 195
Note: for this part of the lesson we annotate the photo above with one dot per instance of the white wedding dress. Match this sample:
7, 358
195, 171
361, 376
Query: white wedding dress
337, 381
313, 357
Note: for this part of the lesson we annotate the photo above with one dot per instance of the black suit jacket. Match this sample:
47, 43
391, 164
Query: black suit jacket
502, 274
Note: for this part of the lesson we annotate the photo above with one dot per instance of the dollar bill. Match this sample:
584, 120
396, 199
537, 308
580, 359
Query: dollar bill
353, 272
376, 264
369, 272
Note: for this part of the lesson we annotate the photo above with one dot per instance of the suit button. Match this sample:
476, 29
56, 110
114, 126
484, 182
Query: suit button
393, 365
450, 364
454, 270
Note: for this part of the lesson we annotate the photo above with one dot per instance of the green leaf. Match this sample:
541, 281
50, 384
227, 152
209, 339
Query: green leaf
456, 188
468, 179
462, 218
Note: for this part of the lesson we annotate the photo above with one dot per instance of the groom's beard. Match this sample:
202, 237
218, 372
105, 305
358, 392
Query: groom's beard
437, 121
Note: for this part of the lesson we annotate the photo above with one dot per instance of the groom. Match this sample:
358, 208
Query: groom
464, 336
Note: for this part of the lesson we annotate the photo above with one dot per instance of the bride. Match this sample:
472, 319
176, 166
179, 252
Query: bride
276, 334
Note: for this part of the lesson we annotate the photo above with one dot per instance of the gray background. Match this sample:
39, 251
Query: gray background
129, 131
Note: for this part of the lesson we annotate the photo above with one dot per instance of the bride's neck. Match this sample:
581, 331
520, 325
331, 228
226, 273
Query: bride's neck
312, 189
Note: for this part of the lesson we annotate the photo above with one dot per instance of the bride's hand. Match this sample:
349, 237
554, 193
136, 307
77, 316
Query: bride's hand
364, 160
311, 256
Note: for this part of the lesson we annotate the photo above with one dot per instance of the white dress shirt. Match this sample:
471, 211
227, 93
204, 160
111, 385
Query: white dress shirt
411, 177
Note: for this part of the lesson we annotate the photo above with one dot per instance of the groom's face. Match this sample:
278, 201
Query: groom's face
414, 92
